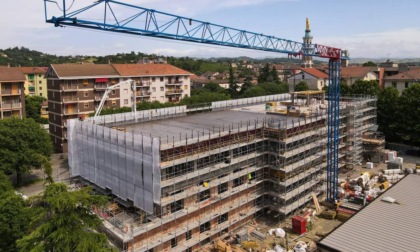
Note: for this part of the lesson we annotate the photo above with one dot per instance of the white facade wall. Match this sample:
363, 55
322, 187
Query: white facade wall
313, 82
400, 85
369, 76
165, 88
126, 95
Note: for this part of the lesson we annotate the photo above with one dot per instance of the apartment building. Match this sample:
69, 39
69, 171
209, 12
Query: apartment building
403, 80
156, 82
36, 83
12, 97
181, 180
75, 90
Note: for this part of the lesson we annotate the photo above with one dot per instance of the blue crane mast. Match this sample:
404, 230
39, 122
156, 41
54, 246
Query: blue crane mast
141, 21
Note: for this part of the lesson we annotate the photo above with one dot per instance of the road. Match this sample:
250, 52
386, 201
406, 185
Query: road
60, 168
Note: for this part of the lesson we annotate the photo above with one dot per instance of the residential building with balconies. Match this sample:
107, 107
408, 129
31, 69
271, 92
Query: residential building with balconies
75, 90
12, 97
35, 83
156, 82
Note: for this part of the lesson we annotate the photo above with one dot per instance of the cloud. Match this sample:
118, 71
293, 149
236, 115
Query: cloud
395, 43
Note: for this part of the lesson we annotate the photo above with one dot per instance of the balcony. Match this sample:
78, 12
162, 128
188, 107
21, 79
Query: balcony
70, 88
71, 111
142, 94
101, 86
174, 92
11, 92
71, 99
144, 84
99, 98
11, 105
173, 83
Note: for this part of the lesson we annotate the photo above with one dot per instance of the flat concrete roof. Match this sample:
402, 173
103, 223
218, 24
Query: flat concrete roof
192, 125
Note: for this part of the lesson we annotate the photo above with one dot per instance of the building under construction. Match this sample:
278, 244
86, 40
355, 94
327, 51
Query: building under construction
182, 177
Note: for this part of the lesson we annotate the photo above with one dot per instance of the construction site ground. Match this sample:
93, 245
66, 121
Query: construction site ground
263, 224
320, 227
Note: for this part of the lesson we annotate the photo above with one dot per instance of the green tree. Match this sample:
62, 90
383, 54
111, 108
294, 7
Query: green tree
65, 222
247, 85
33, 108
409, 116
24, 144
370, 87
388, 113
233, 84
369, 64
204, 98
14, 215
345, 89
254, 92
5, 184
214, 87
274, 76
110, 111
264, 74
275, 88
301, 86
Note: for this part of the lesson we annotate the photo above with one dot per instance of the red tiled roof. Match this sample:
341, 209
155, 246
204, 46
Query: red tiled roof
315, 72
413, 74
130, 70
356, 71
32, 70
194, 77
83, 70
9, 74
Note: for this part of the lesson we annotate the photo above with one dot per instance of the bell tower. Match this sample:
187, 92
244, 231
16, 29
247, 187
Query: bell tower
307, 40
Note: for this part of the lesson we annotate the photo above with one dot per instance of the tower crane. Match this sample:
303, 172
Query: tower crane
163, 25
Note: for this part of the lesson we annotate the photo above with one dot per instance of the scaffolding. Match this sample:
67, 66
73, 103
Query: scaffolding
217, 170
360, 114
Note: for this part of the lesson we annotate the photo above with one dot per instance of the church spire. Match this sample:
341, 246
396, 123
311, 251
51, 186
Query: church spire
308, 25
307, 41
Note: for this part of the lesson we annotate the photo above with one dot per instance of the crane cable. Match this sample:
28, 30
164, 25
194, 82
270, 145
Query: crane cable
58, 6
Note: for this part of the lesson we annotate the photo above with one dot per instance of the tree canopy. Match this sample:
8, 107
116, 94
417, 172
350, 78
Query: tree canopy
65, 222
254, 92
14, 215
24, 144
33, 108
301, 86
370, 87
369, 64
233, 84
409, 116
203, 98
388, 111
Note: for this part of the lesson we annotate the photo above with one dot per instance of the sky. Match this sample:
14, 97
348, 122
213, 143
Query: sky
367, 28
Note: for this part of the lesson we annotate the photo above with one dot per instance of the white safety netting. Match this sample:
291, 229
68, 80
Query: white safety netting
125, 163
139, 116
221, 105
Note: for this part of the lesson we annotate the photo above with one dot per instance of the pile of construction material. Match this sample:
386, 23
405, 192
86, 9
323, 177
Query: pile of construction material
389, 155
356, 193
